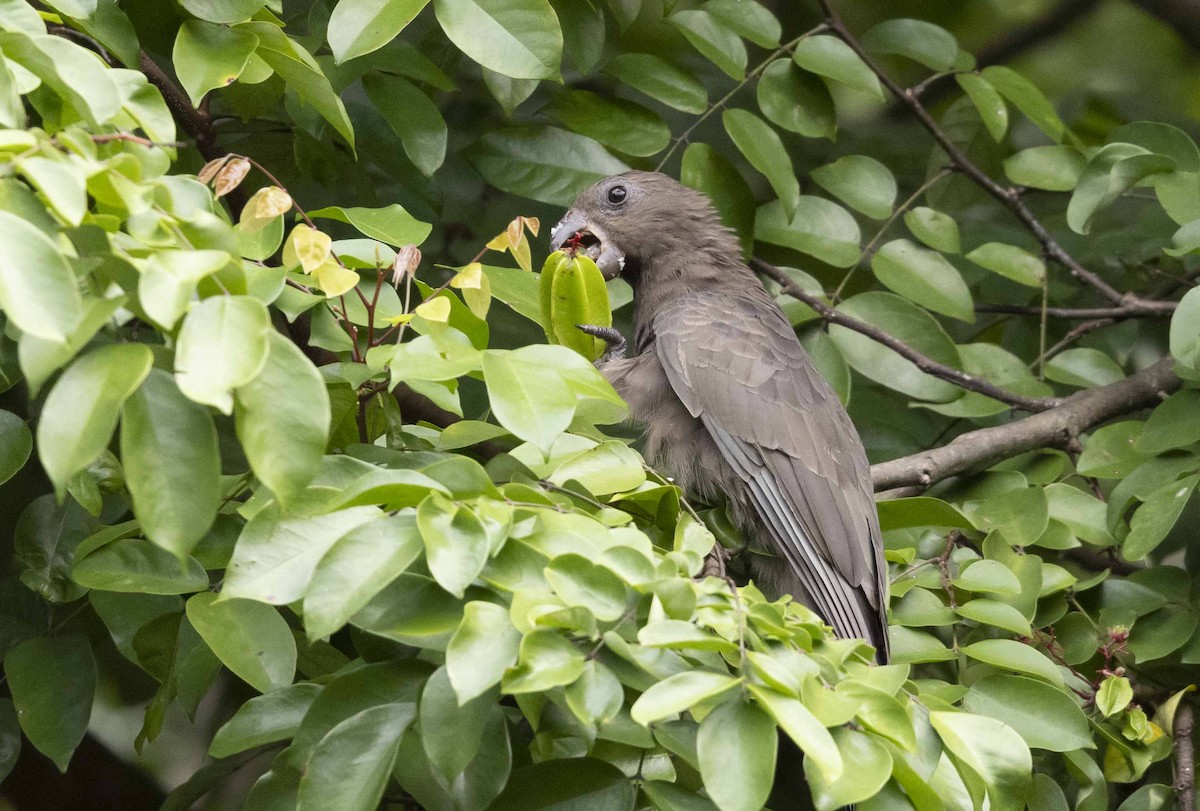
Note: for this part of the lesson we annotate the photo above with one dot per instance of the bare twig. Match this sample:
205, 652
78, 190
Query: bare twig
750, 76
1006, 195
1054, 428
1079, 313
921, 361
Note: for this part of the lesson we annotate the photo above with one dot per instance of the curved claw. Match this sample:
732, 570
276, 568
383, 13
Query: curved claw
611, 337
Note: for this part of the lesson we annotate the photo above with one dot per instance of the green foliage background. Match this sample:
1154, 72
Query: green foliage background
267, 463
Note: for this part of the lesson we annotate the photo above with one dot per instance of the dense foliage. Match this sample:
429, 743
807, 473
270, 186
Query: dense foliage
251, 428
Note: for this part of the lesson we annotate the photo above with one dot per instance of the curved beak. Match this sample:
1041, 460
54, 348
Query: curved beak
574, 231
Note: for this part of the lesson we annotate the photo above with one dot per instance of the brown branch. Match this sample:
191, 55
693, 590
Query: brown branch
1080, 313
1006, 195
921, 361
1056, 428
1185, 762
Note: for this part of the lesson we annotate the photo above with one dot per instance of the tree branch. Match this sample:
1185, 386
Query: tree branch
1079, 313
1185, 763
1055, 428
921, 361
1006, 195
1019, 40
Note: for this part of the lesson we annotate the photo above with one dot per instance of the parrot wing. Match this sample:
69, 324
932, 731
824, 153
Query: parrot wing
736, 364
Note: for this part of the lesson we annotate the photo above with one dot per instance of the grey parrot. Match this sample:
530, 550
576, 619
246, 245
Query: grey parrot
730, 402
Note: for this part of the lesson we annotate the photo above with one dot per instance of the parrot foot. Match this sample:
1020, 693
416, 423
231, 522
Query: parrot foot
714, 563
611, 337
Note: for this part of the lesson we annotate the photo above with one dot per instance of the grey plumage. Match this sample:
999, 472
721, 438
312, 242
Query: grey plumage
731, 403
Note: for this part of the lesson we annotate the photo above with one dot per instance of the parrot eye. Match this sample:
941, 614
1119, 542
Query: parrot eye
617, 195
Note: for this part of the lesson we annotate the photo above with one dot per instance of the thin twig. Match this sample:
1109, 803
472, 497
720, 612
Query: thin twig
1076, 313
1007, 195
869, 250
920, 360
682, 138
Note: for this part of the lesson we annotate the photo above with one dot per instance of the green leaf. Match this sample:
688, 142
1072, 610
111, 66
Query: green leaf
867, 766
1053, 167
937, 230
1185, 330
223, 11
569, 783
517, 38
828, 56
135, 565
749, 19
989, 576
1162, 632
60, 183
282, 418
925, 277
579, 582
545, 660
802, 727
208, 56
766, 153
1156, 516
860, 182
300, 71
16, 444
1174, 423
413, 116
276, 555
907, 322
1021, 514
53, 682
1046, 717
737, 747
622, 125
796, 101
1114, 695
172, 464
356, 568
988, 102
1012, 655
660, 80
529, 397
44, 542
995, 613
1162, 139
993, 751
72, 72
706, 170
81, 410
1112, 171
249, 638
350, 767
484, 645
222, 345
168, 280
1010, 262
713, 39
1113, 451
1027, 98
820, 228
38, 290
10, 737
1084, 367
456, 542
358, 27
931, 45
542, 163
264, 719
451, 732
390, 224
919, 511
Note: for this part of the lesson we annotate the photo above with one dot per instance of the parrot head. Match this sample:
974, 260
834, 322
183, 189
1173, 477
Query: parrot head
626, 221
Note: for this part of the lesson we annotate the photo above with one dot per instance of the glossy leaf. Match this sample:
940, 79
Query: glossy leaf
737, 744
249, 638
765, 152
925, 277
518, 38
358, 27
53, 681
860, 182
223, 344
828, 56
